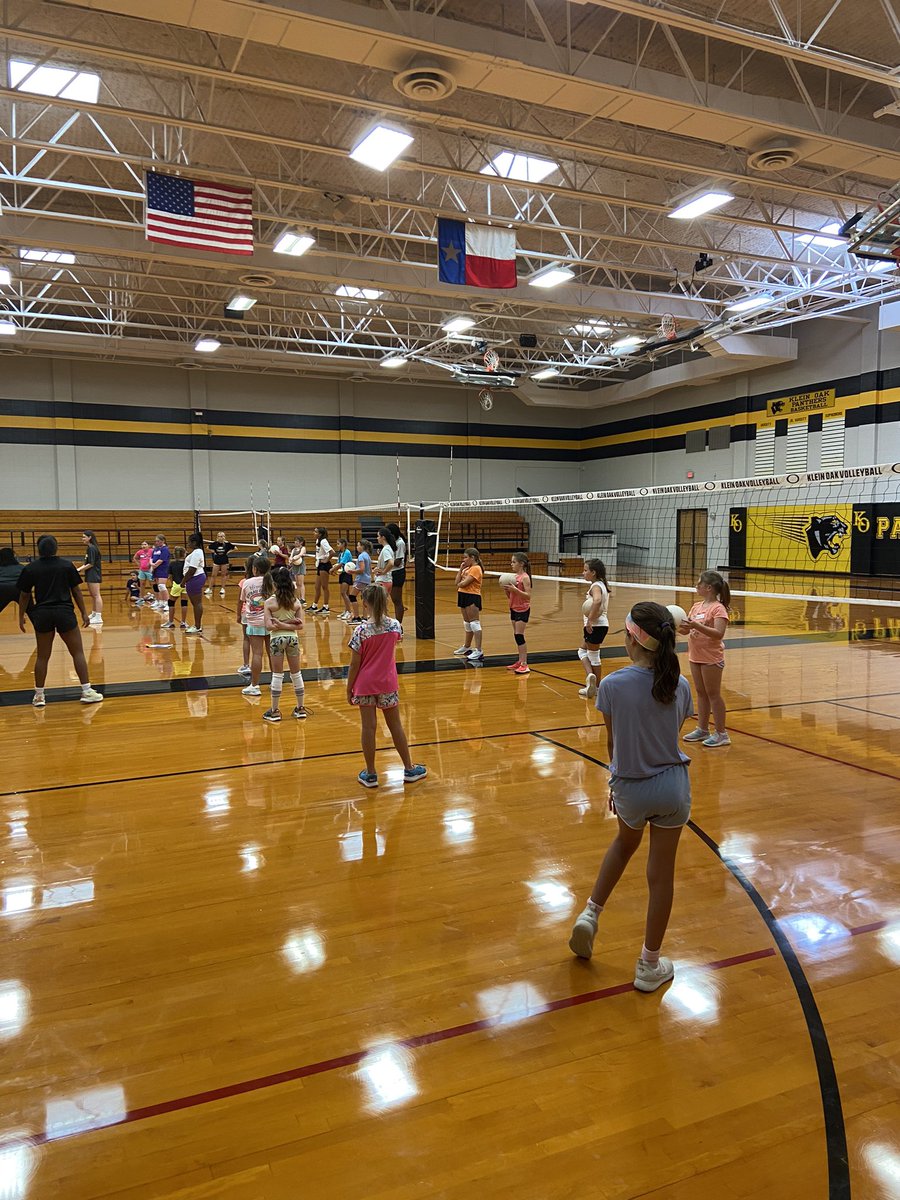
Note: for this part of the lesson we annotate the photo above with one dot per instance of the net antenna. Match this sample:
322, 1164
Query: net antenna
668, 327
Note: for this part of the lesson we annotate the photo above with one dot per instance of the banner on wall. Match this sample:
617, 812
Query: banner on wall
876, 539
791, 538
801, 403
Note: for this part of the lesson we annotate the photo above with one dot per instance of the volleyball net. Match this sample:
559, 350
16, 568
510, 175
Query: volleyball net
820, 536
246, 528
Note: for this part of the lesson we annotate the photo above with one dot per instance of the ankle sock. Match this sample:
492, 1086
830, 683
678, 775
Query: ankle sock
650, 957
596, 909
39, 693
85, 688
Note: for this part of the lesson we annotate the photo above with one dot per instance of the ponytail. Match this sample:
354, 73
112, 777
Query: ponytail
714, 580
598, 567
522, 558
659, 623
375, 599
475, 556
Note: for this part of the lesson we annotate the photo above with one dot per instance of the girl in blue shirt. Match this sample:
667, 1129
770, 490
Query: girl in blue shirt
361, 577
345, 578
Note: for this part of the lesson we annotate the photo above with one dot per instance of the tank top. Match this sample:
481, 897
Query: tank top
603, 619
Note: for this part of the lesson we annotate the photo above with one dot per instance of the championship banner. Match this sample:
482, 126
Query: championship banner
802, 403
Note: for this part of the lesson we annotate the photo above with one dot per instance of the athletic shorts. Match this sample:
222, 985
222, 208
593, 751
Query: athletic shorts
663, 799
93, 576
464, 599
221, 562
53, 618
597, 635
345, 577
720, 663
326, 567
398, 577
284, 643
524, 616
382, 700
194, 585
148, 575
298, 571
256, 631
387, 584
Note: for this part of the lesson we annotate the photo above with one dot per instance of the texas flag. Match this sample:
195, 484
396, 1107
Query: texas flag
478, 255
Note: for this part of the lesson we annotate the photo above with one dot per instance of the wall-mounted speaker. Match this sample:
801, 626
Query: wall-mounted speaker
528, 341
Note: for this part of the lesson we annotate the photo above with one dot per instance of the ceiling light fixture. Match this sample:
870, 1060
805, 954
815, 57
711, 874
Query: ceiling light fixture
545, 373
592, 328
699, 205
207, 345
551, 277
509, 165
357, 293
822, 238
458, 324
50, 256
393, 361
626, 343
8, 328
5, 277
380, 147
294, 242
760, 300
49, 80
241, 304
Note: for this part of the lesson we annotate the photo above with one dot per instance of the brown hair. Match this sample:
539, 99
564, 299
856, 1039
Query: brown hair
521, 557
660, 624
598, 567
473, 553
714, 580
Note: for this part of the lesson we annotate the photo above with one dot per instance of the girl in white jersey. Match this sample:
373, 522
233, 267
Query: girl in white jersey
323, 571
596, 623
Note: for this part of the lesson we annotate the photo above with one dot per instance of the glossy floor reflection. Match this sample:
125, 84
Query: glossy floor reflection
229, 971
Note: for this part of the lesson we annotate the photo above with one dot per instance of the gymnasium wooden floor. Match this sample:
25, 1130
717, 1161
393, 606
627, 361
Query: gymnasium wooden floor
229, 971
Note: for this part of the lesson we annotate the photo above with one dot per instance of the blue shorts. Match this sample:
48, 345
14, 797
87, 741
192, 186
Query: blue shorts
663, 799
145, 575
256, 631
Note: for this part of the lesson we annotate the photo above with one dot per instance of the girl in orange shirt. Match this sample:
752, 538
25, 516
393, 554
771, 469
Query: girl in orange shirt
705, 627
519, 596
468, 600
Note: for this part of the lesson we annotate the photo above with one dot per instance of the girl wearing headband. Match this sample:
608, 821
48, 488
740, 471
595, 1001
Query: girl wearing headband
643, 706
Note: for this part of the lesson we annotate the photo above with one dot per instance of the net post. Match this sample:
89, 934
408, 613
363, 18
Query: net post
425, 535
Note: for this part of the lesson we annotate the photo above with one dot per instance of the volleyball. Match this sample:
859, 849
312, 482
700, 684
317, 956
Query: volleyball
678, 613
507, 579
350, 566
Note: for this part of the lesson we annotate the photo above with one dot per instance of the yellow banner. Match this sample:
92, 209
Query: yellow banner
802, 538
804, 402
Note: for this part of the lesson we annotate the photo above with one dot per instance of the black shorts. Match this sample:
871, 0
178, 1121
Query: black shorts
398, 577
525, 616
93, 576
597, 635
345, 577
326, 567
221, 562
464, 599
53, 618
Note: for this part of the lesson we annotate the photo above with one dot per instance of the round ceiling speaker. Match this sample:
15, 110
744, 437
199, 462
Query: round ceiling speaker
425, 82
485, 306
257, 279
773, 156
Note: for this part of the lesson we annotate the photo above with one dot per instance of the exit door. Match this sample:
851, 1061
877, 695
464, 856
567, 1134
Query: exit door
691, 547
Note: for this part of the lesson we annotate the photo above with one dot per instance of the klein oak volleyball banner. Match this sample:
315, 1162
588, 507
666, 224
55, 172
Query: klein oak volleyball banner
199, 215
476, 255
834, 539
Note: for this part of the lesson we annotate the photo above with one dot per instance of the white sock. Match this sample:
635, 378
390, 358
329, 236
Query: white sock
85, 688
39, 693
594, 908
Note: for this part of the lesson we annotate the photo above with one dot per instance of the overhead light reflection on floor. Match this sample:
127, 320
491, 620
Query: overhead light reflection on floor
510, 1002
550, 895
459, 826
87, 1110
17, 898
884, 1162
15, 1003
304, 950
889, 943
693, 995
18, 1159
388, 1077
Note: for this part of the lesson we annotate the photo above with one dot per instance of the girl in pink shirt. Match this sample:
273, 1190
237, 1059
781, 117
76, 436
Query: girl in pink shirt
519, 597
372, 684
705, 627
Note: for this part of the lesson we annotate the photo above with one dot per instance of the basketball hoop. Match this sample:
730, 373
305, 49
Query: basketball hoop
667, 327
491, 360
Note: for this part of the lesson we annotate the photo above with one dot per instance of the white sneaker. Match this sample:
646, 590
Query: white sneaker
648, 977
221, 591
95, 619
698, 735
38, 701
324, 609
344, 617
463, 650
91, 696
581, 943
194, 629
589, 691
208, 592
476, 656
251, 690
245, 671
717, 739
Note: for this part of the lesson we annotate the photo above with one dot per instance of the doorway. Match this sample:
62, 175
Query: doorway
691, 546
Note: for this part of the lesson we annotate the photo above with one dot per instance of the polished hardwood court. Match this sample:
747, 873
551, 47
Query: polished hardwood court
229, 971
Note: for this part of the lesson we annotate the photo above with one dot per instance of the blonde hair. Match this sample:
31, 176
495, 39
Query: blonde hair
375, 600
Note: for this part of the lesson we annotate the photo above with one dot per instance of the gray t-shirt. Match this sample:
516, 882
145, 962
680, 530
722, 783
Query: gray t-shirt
645, 732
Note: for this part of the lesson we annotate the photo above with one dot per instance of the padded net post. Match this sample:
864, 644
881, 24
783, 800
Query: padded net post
424, 558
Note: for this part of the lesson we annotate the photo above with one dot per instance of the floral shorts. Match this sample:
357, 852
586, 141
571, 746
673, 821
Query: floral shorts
284, 643
382, 700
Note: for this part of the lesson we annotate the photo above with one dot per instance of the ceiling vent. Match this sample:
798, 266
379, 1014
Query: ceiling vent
257, 279
773, 156
425, 82
485, 306
188, 364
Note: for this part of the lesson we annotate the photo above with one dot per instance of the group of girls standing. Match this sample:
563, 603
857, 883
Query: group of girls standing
469, 583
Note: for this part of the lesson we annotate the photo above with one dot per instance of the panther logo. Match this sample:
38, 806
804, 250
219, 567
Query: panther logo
825, 535
777, 407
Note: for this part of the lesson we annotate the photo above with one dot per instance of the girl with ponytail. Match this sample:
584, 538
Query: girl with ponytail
705, 627
643, 706
519, 596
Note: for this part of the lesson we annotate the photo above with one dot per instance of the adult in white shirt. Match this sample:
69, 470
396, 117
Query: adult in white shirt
384, 568
194, 579
398, 574
324, 555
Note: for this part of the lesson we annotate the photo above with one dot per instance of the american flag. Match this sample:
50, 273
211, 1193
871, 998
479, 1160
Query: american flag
199, 215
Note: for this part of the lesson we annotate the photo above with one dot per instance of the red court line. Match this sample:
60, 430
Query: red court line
227, 1091
815, 753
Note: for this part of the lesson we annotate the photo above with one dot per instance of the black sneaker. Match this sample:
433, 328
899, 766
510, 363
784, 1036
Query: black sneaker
299, 713
272, 715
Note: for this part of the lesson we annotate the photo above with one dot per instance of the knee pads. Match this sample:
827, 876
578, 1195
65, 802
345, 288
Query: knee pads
594, 657
297, 680
277, 681
467, 626
520, 639
475, 626
582, 653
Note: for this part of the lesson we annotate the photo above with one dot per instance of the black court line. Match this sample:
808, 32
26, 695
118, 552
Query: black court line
275, 762
873, 711
832, 1107
429, 666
